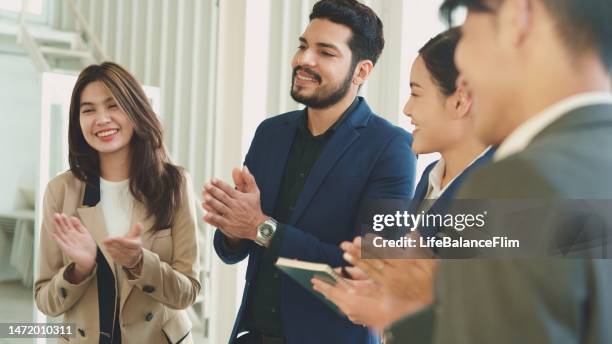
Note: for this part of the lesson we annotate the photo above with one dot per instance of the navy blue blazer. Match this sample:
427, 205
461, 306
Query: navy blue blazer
367, 157
441, 204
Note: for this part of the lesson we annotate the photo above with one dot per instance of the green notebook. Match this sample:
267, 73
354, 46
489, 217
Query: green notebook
303, 272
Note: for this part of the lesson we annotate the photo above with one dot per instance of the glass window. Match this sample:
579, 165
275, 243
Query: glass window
31, 6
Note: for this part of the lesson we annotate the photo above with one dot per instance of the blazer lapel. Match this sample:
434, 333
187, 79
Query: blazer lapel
277, 159
139, 215
595, 115
342, 139
93, 220
443, 203
92, 217
423, 186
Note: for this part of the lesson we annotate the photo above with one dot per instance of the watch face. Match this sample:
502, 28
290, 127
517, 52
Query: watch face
266, 231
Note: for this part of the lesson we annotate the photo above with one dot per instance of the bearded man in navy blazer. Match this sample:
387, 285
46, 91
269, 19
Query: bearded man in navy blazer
305, 176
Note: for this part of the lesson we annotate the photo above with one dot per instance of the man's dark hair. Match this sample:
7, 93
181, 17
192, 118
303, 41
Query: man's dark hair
582, 24
367, 39
439, 57
449, 6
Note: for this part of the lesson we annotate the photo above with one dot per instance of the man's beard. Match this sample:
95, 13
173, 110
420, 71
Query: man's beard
322, 99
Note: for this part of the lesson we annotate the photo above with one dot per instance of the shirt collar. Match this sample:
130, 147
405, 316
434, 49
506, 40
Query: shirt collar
303, 126
437, 172
435, 179
520, 138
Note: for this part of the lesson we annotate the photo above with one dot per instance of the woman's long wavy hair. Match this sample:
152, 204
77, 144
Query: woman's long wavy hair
154, 180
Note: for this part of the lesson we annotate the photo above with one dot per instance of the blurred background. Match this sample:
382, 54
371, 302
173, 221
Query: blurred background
213, 70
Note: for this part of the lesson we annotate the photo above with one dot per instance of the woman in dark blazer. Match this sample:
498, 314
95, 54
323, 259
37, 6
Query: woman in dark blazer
441, 114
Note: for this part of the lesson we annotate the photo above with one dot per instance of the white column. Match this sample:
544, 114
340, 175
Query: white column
387, 87
242, 71
416, 31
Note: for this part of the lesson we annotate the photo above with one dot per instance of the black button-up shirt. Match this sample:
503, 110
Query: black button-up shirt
263, 305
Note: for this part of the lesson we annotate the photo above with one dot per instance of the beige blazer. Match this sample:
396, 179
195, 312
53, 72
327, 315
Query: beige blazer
152, 305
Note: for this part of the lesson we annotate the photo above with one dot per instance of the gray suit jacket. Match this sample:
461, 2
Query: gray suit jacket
529, 300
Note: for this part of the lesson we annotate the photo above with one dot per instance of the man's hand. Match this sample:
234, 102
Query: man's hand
237, 213
238, 175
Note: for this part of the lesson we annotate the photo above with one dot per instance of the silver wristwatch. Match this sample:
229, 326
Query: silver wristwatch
265, 232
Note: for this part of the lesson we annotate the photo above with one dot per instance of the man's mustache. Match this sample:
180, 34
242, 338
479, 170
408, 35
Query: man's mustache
310, 72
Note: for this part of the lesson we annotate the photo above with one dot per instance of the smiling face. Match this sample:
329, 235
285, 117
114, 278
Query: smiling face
432, 114
105, 126
323, 66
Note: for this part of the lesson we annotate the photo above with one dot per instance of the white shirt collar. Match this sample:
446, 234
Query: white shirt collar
520, 138
435, 180
434, 191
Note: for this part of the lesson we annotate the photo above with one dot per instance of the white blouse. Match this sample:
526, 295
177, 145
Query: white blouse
117, 203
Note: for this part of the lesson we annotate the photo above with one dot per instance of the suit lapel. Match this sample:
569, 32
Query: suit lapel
422, 186
441, 205
139, 215
331, 153
584, 117
92, 217
341, 140
277, 160
93, 220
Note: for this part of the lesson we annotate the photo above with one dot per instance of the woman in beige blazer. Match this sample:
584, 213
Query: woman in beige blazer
119, 255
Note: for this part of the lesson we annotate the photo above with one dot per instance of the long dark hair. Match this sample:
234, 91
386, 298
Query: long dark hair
154, 180
439, 57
